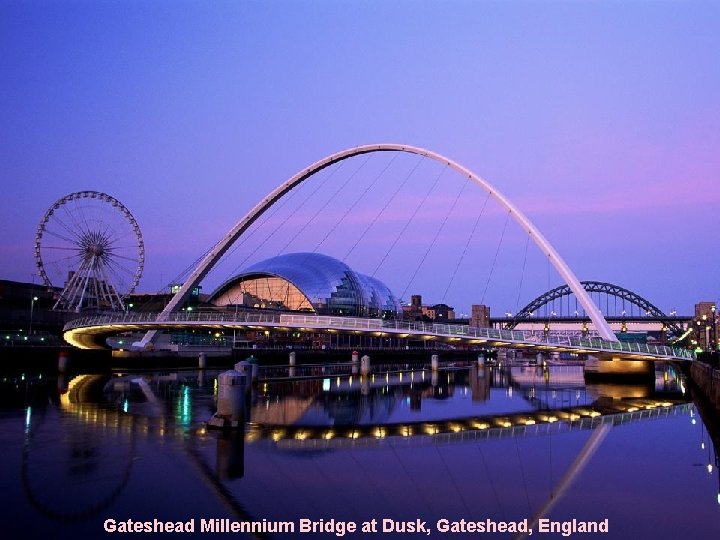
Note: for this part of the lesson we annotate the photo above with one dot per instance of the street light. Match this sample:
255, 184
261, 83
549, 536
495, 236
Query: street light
33, 299
713, 328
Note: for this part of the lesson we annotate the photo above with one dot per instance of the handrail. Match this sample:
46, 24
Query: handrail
380, 325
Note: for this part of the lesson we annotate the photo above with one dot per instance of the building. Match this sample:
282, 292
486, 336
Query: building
480, 316
439, 312
705, 327
26, 314
416, 311
307, 282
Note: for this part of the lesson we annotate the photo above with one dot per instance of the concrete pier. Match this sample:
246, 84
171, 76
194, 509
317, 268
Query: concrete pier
230, 400
365, 365
617, 367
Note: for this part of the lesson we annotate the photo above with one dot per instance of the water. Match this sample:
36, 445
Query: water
495, 444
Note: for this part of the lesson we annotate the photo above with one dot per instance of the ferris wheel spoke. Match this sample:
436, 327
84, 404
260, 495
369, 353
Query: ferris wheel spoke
57, 258
76, 224
117, 266
73, 228
87, 253
62, 248
115, 283
62, 237
125, 258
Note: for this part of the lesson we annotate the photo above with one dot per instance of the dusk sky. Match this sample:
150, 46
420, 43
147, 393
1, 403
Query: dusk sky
600, 120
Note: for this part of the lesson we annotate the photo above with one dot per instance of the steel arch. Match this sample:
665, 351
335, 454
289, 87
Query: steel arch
596, 287
224, 244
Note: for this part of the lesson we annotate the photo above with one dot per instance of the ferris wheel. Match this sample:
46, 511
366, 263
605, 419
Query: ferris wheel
89, 244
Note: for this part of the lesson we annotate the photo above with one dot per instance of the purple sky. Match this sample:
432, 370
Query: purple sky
600, 120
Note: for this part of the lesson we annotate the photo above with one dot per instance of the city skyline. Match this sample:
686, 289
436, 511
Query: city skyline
598, 120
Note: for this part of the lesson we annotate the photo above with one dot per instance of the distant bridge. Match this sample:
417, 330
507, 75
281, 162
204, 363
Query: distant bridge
633, 307
89, 332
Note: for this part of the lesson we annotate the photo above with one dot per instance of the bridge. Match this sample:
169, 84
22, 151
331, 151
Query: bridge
88, 332
85, 332
626, 306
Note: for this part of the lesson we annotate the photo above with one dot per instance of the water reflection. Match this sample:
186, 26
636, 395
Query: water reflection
83, 440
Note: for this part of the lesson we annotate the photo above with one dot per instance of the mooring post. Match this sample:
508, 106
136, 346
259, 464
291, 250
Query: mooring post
230, 400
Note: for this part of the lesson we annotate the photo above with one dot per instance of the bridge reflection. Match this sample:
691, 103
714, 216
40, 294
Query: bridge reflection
111, 415
452, 404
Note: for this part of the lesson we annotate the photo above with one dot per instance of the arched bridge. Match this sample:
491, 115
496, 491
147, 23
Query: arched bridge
625, 295
89, 332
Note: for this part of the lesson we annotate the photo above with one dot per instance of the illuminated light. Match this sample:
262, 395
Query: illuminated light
480, 425
328, 435
301, 435
573, 417
277, 435
431, 429
666, 404
552, 419
125, 406
710, 468
379, 432
337, 382
28, 418
702, 446
529, 422
593, 414
406, 431
456, 428
632, 409
326, 385
354, 434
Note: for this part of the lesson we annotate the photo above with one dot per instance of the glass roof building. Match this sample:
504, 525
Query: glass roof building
308, 282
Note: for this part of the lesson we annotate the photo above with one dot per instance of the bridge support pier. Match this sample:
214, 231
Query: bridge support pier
230, 401
618, 367
365, 365
434, 362
62, 362
291, 363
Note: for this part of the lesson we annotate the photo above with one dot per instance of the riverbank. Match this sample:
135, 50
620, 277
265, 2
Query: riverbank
707, 380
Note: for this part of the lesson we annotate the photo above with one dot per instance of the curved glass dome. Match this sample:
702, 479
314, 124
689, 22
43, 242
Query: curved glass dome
308, 282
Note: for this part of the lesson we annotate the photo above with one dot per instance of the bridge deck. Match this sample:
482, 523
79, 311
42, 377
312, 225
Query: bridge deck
80, 332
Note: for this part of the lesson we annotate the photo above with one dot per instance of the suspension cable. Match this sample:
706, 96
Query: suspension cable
497, 251
325, 205
434, 240
407, 223
387, 203
467, 244
287, 218
356, 201
522, 275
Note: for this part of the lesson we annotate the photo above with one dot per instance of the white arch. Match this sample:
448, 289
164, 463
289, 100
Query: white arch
223, 245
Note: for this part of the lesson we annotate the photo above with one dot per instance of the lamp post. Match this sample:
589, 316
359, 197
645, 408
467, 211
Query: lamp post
713, 329
33, 299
